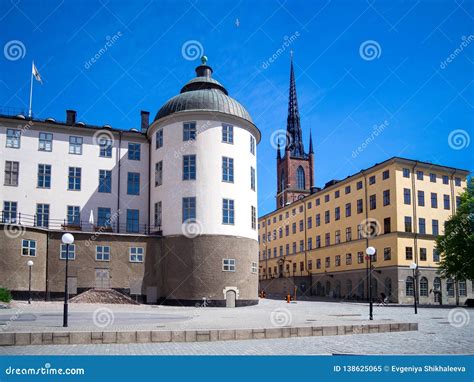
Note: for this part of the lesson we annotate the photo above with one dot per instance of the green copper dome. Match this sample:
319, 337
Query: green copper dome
203, 93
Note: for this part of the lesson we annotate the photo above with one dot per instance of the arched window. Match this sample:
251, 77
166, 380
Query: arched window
349, 288
409, 286
424, 287
319, 291
462, 288
328, 288
388, 287
282, 180
437, 289
450, 287
337, 292
361, 289
300, 178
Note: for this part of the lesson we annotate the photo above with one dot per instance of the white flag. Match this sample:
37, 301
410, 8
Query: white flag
35, 73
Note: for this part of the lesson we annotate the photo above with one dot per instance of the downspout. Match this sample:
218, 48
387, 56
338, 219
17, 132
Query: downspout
453, 211
149, 187
366, 236
305, 239
415, 229
118, 188
46, 296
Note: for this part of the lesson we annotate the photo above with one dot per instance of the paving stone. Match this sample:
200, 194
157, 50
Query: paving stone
22, 339
190, 335
60, 338
305, 331
80, 338
164, 336
329, 330
109, 337
258, 334
178, 336
273, 333
143, 336
7, 339
243, 334
126, 337
226, 335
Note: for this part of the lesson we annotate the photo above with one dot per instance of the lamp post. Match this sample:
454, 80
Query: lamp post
370, 251
414, 268
30, 265
67, 239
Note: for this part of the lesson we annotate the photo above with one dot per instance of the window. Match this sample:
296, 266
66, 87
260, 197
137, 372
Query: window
408, 224
360, 257
252, 178
421, 198
133, 183
45, 142
105, 147
406, 196
423, 254
348, 210
337, 213
386, 197
434, 200
300, 178
359, 185
159, 139
409, 286
294, 247
337, 261
458, 201
310, 265
301, 225
105, 181
326, 217
70, 252
75, 145
159, 173
387, 253
13, 138
227, 211
73, 215
372, 179
457, 182
74, 179
406, 173
310, 243
189, 167
373, 202
189, 131
360, 206
386, 174
254, 267
326, 198
424, 287
252, 145
136, 254
432, 178
408, 253
337, 237
301, 245
318, 202
450, 287
42, 215
445, 179
360, 232
228, 134
422, 226
227, 169
327, 262
462, 288
318, 241
287, 249
228, 265
28, 247
446, 202
318, 220
348, 258
387, 225
348, 234
347, 190
133, 151
336, 194
44, 176
189, 209
293, 228
253, 214
133, 221
419, 175
102, 253
318, 263
157, 214
103, 217
309, 222
11, 173
9, 212
327, 239
287, 230
436, 257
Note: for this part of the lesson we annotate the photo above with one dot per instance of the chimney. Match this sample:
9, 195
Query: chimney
145, 120
70, 117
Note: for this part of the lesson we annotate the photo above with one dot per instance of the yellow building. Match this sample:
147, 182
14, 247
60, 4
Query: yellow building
318, 243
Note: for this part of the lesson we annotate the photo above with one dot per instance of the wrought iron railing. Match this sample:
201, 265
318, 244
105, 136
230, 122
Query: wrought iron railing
43, 221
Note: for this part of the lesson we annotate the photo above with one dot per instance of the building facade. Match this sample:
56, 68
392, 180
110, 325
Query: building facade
167, 212
315, 243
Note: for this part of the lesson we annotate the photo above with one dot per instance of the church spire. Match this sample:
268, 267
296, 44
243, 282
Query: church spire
293, 127
311, 143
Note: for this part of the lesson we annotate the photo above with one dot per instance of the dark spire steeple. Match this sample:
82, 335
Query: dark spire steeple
278, 150
311, 142
294, 135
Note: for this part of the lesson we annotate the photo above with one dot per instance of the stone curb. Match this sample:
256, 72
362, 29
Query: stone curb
150, 336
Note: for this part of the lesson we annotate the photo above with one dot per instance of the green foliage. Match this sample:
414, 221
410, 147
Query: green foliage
5, 295
457, 244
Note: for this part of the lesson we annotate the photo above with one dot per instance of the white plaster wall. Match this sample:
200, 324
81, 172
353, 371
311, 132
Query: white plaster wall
208, 188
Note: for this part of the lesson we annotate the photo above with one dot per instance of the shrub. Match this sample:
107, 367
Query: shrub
5, 295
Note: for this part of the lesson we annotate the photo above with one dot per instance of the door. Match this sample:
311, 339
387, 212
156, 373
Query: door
102, 278
230, 299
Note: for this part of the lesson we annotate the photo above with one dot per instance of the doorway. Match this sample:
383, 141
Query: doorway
102, 278
230, 299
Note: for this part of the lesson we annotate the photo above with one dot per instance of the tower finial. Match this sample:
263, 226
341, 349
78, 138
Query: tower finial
204, 60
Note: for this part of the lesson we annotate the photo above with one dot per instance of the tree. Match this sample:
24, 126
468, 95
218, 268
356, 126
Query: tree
456, 246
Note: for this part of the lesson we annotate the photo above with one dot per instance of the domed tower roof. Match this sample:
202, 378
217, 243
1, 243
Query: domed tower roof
203, 93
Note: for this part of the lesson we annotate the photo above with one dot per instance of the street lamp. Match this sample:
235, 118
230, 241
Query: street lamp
67, 239
414, 267
30, 265
370, 251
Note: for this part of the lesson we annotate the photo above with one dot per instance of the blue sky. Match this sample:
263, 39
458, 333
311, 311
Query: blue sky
418, 77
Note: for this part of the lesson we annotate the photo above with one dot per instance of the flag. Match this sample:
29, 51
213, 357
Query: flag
34, 72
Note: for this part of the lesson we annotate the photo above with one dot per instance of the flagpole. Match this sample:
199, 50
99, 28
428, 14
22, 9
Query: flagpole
31, 89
